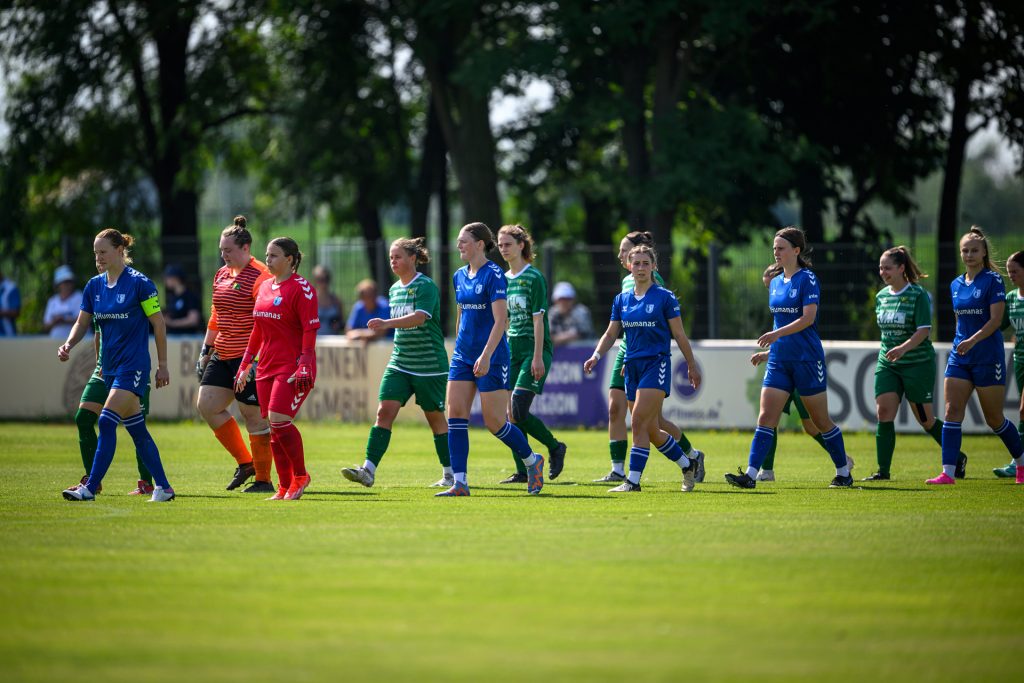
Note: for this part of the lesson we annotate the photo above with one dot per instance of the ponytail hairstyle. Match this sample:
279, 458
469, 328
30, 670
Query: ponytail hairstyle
237, 232
290, 248
414, 247
798, 239
770, 272
643, 249
901, 257
976, 233
519, 234
481, 233
640, 237
119, 240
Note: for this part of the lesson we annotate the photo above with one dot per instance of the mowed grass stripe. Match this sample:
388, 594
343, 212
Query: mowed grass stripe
792, 581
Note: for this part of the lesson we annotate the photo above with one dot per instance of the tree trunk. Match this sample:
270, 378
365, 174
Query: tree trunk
634, 137
811, 188
369, 220
171, 25
464, 114
604, 266
429, 179
444, 237
179, 227
949, 208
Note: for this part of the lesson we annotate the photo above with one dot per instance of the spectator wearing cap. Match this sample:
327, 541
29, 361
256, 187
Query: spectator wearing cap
569, 319
182, 313
62, 308
10, 306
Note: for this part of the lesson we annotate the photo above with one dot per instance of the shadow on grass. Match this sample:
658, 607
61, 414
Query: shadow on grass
901, 489
344, 494
738, 492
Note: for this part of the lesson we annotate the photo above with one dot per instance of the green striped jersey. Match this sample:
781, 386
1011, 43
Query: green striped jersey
418, 350
527, 296
1013, 316
901, 314
628, 285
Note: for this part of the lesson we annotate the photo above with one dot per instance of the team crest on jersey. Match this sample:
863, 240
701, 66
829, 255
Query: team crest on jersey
977, 294
277, 301
237, 286
792, 294
120, 298
650, 308
479, 289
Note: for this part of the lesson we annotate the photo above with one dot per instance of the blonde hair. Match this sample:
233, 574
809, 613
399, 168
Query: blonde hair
119, 240
901, 257
976, 233
414, 246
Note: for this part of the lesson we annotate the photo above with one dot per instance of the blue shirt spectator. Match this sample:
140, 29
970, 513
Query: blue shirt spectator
10, 306
369, 304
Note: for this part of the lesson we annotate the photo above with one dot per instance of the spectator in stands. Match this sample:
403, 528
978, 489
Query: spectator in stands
62, 308
569, 319
10, 306
182, 312
369, 304
330, 311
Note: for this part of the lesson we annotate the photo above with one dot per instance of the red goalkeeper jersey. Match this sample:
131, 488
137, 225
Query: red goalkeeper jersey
281, 314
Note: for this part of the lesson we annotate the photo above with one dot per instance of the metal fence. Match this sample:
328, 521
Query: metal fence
721, 291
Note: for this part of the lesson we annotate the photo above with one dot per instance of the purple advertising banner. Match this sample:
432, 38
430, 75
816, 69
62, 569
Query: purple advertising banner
571, 397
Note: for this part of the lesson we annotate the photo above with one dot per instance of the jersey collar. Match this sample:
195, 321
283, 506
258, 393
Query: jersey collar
905, 287
414, 278
512, 276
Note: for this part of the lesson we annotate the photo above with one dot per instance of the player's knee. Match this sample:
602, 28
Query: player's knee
386, 414
521, 402
616, 410
994, 421
85, 418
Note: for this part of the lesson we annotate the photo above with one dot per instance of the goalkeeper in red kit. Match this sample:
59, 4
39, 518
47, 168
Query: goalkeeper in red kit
284, 340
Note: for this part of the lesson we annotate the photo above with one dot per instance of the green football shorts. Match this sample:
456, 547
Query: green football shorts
399, 386
916, 381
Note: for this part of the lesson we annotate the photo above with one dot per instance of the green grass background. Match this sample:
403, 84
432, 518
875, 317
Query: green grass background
790, 582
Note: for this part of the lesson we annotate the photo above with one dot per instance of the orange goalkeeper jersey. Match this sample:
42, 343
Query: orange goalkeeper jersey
234, 294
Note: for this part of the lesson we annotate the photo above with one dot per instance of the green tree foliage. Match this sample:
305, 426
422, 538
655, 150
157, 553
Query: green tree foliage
126, 91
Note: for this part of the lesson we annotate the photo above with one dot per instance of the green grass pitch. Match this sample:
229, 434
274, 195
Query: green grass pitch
791, 582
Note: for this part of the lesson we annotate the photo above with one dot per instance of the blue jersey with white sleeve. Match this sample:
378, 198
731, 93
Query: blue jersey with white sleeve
474, 296
122, 310
971, 303
786, 300
645, 321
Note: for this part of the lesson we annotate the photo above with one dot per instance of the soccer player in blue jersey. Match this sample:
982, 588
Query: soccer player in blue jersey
617, 443
976, 362
796, 359
649, 314
767, 471
124, 303
481, 360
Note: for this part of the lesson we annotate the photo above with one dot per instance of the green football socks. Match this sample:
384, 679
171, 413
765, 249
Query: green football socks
377, 444
885, 444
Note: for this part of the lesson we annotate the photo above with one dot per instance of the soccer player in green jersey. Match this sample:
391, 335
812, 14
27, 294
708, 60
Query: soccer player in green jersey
418, 365
767, 471
1013, 316
617, 443
529, 341
94, 395
906, 360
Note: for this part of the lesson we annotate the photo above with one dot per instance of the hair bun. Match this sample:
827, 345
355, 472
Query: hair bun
240, 221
